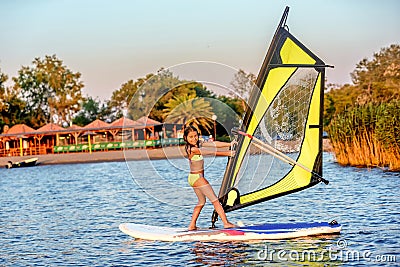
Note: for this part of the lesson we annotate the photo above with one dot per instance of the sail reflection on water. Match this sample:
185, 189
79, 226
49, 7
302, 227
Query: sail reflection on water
309, 251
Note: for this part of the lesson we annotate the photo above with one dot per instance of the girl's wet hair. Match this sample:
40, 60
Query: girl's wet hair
188, 129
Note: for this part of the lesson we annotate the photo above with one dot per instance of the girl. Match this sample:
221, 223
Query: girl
196, 179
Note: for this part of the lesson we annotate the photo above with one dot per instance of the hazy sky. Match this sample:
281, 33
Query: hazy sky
111, 42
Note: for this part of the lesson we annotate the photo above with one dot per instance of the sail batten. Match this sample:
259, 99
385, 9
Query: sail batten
285, 112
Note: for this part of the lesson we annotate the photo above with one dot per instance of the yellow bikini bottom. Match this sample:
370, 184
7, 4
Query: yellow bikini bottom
193, 177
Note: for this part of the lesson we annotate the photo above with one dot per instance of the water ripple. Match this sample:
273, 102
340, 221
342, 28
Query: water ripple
68, 215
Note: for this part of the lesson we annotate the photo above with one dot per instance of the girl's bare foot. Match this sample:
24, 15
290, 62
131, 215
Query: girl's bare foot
192, 228
229, 225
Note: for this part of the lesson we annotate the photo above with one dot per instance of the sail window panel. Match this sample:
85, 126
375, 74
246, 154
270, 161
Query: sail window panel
259, 170
275, 81
286, 117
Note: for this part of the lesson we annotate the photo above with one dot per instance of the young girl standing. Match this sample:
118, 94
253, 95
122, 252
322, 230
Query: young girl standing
196, 179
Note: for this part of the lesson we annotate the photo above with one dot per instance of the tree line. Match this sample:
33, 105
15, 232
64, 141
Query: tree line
49, 92
375, 81
363, 119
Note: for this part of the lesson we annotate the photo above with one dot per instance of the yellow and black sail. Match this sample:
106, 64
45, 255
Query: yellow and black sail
285, 111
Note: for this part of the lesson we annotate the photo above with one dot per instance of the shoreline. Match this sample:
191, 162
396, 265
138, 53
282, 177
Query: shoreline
111, 156
100, 156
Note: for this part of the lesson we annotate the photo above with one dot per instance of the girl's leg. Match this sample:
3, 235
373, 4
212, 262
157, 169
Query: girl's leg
197, 209
218, 208
205, 188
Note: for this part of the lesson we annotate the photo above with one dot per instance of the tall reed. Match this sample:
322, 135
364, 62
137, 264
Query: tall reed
368, 136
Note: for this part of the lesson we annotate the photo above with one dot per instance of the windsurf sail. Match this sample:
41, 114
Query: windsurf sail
285, 113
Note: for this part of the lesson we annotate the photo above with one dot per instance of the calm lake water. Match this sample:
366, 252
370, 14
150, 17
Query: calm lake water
68, 215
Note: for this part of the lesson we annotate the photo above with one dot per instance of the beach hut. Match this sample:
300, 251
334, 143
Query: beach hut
75, 131
150, 127
20, 132
97, 124
51, 134
21, 129
125, 127
147, 121
98, 131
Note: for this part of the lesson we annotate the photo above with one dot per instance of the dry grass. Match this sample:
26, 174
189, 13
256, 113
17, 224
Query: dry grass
368, 136
366, 151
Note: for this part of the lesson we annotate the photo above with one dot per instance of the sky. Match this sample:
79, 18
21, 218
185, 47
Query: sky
111, 42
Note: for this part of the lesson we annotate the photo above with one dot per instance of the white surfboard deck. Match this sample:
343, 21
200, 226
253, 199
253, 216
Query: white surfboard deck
253, 232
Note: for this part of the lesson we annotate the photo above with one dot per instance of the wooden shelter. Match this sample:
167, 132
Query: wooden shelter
75, 131
20, 129
16, 141
125, 128
97, 130
97, 135
150, 128
50, 134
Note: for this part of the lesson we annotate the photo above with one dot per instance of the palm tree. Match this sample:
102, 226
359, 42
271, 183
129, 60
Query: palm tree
189, 108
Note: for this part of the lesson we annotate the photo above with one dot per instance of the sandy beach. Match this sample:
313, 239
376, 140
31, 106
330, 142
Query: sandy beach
105, 156
71, 158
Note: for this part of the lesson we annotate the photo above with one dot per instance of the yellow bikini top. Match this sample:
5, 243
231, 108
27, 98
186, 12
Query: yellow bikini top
196, 157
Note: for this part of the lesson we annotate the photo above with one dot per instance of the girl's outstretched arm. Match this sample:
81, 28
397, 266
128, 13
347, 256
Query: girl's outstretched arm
228, 153
217, 144
212, 149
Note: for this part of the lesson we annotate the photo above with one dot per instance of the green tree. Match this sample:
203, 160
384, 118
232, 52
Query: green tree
189, 109
379, 78
329, 109
337, 100
11, 106
147, 96
91, 110
243, 83
375, 81
179, 88
157, 96
3, 79
120, 99
201, 90
142, 97
52, 92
